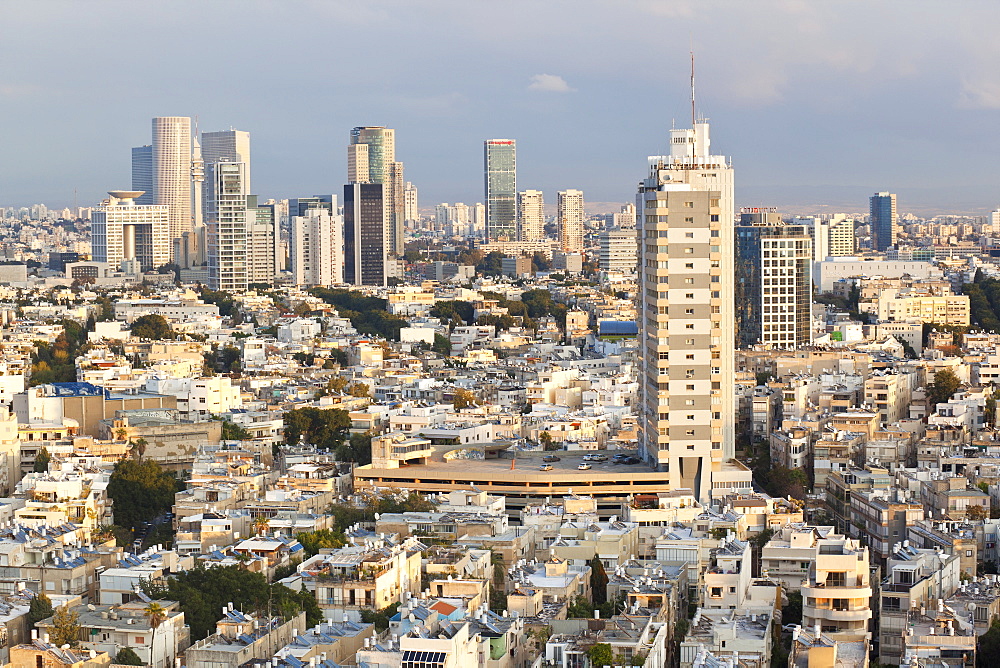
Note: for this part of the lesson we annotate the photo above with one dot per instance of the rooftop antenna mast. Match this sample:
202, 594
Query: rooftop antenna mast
692, 90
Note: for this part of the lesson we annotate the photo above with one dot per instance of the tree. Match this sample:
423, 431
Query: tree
39, 609
359, 390
988, 649
975, 513
155, 614
139, 448
441, 345
380, 618
324, 428
42, 460
153, 327
65, 629
314, 541
600, 654
945, 384
783, 481
234, 432
598, 581
127, 657
141, 491
546, 440
260, 525
201, 593
463, 398
792, 612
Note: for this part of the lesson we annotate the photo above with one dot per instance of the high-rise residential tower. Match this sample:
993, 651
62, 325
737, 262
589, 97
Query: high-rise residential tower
228, 227
885, 223
773, 281
530, 215
371, 158
364, 234
171, 161
225, 146
411, 214
123, 230
500, 161
316, 243
569, 215
684, 211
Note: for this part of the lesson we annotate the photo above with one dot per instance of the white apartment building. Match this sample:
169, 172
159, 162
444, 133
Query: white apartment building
618, 250
570, 216
227, 227
531, 215
687, 315
837, 593
121, 230
316, 249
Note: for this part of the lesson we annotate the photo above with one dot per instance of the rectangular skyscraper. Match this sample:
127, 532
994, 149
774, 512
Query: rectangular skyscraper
884, 221
531, 215
228, 228
121, 230
500, 161
569, 215
371, 158
142, 174
171, 160
364, 241
684, 210
773, 281
225, 146
316, 244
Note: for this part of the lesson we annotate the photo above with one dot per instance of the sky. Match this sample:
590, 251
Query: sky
819, 104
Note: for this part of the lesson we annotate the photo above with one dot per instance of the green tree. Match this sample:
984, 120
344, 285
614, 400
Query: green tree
792, 612
65, 629
945, 384
359, 390
141, 491
152, 327
324, 428
314, 541
234, 432
600, 654
598, 581
39, 609
42, 460
380, 618
201, 593
155, 615
127, 657
988, 648
441, 345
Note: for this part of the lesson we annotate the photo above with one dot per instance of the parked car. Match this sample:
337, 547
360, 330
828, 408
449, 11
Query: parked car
584, 466
598, 458
550, 458
545, 467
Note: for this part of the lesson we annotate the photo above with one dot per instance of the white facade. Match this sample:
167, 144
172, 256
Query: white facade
618, 250
172, 170
410, 210
569, 216
123, 230
264, 254
530, 214
687, 319
199, 396
315, 248
225, 146
828, 272
228, 247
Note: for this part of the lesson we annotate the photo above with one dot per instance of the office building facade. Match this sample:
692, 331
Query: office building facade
364, 234
224, 146
371, 158
171, 161
884, 221
122, 229
142, 174
773, 281
500, 162
685, 208
570, 216
618, 250
531, 215
316, 251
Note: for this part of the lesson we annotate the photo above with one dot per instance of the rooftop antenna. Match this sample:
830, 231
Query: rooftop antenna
692, 90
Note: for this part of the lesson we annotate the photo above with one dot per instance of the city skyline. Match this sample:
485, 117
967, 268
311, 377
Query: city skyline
801, 117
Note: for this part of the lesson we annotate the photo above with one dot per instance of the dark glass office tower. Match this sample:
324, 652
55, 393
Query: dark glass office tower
364, 234
500, 159
884, 221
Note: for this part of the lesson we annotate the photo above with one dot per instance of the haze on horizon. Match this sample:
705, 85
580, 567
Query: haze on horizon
818, 104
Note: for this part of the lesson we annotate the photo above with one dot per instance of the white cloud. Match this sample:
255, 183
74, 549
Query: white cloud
549, 83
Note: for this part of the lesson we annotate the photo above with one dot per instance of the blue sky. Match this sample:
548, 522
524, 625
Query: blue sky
819, 104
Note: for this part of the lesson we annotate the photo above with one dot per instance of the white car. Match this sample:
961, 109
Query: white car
583, 467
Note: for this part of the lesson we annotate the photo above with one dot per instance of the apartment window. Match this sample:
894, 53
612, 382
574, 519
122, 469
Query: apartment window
689, 220
690, 417
689, 311
690, 357
689, 295
689, 205
689, 402
689, 325
690, 432
689, 235
689, 251
689, 281
690, 388
689, 342
663, 355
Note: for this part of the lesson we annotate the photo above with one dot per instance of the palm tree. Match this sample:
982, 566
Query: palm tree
121, 433
260, 525
139, 448
155, 614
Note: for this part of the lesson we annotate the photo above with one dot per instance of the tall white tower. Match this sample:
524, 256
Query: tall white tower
684, 212
172, 170
569, 214
531, 215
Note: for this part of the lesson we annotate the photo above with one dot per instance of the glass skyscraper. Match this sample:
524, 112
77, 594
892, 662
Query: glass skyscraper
500, 160
884, 221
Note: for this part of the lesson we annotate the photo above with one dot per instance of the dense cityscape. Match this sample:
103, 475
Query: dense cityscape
353, 428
